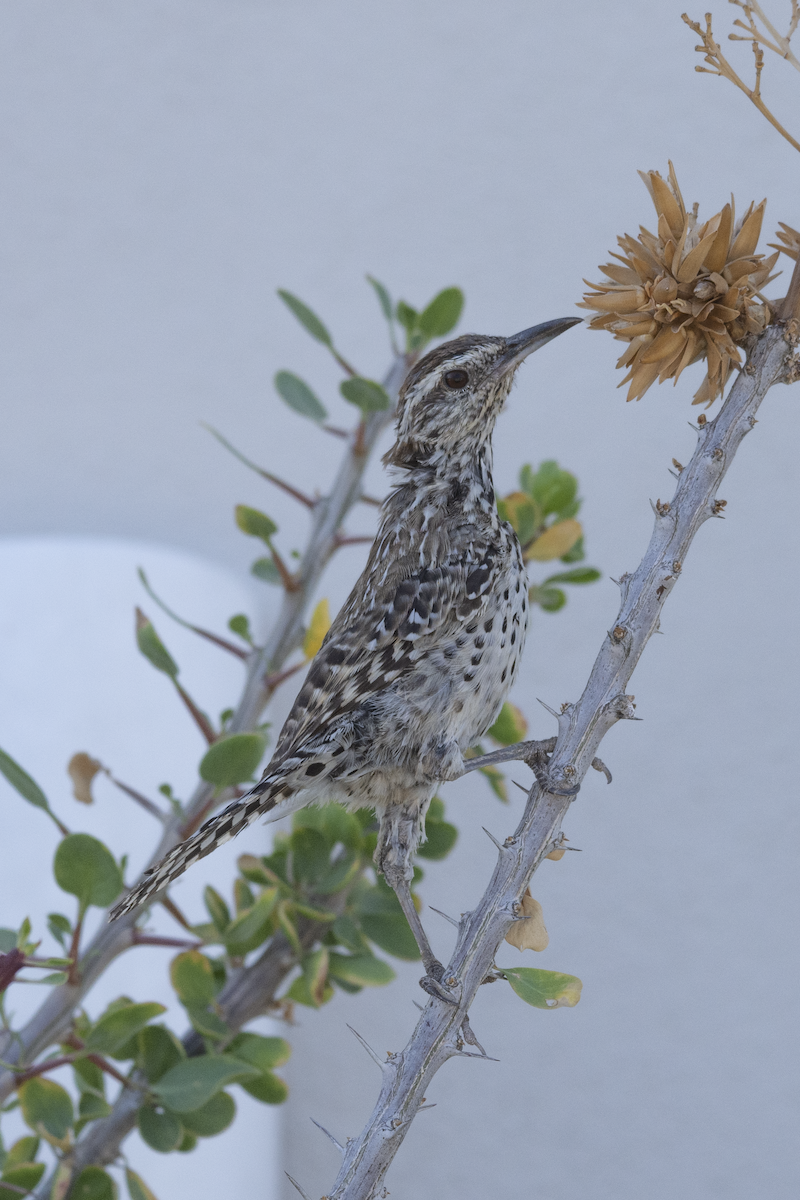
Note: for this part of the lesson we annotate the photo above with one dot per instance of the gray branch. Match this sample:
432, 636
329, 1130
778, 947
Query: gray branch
53, 1019
581, 727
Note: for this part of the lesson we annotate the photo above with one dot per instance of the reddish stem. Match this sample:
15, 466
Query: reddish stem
201, 720
288, 580
137, 796
152, 939
175, 912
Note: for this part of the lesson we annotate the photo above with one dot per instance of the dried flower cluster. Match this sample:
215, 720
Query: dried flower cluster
687, 293
789, 240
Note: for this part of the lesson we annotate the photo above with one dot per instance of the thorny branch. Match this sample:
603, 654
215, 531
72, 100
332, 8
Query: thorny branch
581, 726
53, 1019
719, 65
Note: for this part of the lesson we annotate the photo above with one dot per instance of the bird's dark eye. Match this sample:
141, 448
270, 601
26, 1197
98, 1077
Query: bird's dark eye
456, 379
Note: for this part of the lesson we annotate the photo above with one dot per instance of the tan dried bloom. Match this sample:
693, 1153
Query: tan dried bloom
789, 241
687, 293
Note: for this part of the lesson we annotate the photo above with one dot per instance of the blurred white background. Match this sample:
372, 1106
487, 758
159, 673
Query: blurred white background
167, 166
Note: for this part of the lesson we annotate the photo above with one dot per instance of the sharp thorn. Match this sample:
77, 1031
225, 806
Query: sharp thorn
328, 1134
491, 837
295, 1184
600, 766
469, 1054
577, 849
421, 1007
552, 711
425, 1107
444, 914
521, 787
372, 1053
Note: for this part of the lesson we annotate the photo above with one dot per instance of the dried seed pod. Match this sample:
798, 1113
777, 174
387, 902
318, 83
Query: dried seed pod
529, 933
686, 293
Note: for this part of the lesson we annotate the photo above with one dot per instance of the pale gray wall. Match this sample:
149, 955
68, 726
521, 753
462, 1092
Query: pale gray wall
166, 167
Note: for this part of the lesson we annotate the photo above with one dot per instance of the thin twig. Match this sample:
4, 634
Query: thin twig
719, 65
294, 492
581, 728
53, 1019
200, 719
214, 638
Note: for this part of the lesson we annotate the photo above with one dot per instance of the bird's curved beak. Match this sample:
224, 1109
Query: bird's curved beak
520, 345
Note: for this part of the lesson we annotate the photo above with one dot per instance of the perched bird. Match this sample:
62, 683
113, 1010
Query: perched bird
416, 665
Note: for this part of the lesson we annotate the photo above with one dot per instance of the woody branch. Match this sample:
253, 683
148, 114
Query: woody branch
406, 1075
54, 1016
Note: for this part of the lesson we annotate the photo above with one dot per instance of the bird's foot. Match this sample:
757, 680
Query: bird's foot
433, 982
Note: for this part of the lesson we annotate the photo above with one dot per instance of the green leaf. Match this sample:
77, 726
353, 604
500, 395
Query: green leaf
89, 1078
299, 396
8, 940
240, 625
314, 978
24, 1150
192, 976
347, 933
310, 855
550, 599
188, 1144
342, 871
262, 1052
233, 759
333, 821
384, 922
114, 1029
85, 868
440, 837
306, 317
217, 908
265, 569
362, 969
158, 1050
24, 1175
268, 1088
384, 299
60, 927
407, 316
137, 1188
214, 1116
497, 782
46, 1104
443, 312
206, 1022
91, 1108
190, 1084
553, 488
510, 726
253, 926
544, 989
523, 515
366, 394
21, 781
93, 1183
161, 1131
151, 646
255, 523
243, 895
575, 554
579, 575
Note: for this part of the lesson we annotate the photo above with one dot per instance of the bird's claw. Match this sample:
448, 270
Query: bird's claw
434, 988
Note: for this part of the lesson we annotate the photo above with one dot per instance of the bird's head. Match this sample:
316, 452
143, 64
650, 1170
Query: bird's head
450, 400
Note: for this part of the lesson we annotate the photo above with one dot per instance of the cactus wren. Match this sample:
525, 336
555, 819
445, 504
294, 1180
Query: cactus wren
417, 663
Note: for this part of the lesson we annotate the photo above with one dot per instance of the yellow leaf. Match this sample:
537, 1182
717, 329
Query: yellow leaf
556, 541
529, 933
82, 769
318, 626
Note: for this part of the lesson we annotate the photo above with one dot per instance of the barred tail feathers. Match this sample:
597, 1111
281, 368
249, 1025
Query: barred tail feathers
213, 833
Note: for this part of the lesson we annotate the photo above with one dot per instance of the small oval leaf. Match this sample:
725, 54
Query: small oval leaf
85, 868
114, 1029
318, 626
443, 312
93, 1183
299, 396
152, 647
306, 317
544, 989
232, 759
191, 1084
366, 394
46, 1105
255, 523
214, 1116
555, 541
